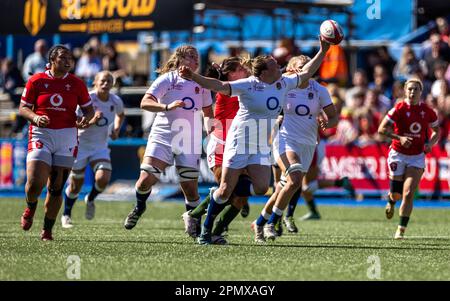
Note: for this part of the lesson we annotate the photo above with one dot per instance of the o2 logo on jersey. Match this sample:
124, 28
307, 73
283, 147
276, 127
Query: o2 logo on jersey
102, 122
192, 104
273, 103
415, 128
56, 100
302, 110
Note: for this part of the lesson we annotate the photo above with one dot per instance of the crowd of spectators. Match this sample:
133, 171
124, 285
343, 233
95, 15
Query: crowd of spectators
361, 98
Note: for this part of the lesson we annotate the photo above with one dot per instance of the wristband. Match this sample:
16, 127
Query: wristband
167, 108
36, 119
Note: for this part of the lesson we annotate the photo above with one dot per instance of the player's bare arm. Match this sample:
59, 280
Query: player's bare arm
436, 133
208, 119
206, 82
39, 120
88, 116
332, 118
151, 104
118, 121
386, 129
312, 66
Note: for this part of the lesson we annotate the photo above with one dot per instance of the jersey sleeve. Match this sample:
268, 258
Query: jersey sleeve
392, 115
29, 94
207, 99
84, 99
240, 86
292, 81
324, 96
432, 118
160, 86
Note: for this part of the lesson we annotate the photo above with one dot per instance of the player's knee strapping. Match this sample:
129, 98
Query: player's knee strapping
294, 167
396, 189
70, 194
156, 172
311, 187
76, 174
102, 166
186, 174
282, 181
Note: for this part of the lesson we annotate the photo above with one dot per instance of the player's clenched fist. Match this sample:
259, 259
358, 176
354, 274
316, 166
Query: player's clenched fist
41, 121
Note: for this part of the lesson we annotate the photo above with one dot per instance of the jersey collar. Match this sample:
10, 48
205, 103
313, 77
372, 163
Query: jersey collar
49, 74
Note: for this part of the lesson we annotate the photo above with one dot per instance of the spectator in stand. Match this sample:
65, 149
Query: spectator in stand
366, 125
440, 82
360, 83
381, 81
35, 62
398, 91
346, 131
437, 53
334, 67
88, 65
113, 62
285, 50
386, 60
10, 77
426, 83
407, 65
444, 30
377, 101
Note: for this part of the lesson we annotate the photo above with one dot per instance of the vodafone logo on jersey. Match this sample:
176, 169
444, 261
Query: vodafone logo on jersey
56, 100
415, 128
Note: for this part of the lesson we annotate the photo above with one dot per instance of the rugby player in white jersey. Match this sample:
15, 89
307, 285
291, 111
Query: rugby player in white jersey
261, 98
93, 147
176, 133
295, 143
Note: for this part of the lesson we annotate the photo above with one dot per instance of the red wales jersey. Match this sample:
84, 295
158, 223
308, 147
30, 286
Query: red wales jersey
56, 97
412, 121
226, 109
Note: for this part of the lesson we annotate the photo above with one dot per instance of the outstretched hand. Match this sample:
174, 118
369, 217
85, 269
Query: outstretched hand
175, 104
324, 45
185, 72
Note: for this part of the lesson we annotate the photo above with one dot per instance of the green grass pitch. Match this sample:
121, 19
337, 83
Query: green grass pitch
338, 247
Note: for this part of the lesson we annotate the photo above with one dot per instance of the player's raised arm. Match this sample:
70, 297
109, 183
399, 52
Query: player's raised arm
312, 66
206, 82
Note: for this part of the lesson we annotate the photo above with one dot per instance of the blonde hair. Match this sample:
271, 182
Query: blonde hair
175, 59
100, 74
300, 60
414, 80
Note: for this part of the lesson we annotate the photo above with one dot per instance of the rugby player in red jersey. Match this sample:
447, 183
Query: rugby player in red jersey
408, 124
49, 102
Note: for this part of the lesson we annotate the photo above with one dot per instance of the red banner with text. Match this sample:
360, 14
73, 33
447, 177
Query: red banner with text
367, 167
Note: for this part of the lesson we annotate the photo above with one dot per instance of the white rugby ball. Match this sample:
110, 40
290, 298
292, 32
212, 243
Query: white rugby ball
331, 32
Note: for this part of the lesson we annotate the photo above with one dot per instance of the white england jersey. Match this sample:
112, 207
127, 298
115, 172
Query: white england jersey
301, 109
259, 105
183, 125
96, 136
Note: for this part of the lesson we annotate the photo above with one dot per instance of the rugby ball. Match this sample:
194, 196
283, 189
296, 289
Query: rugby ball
331, 32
